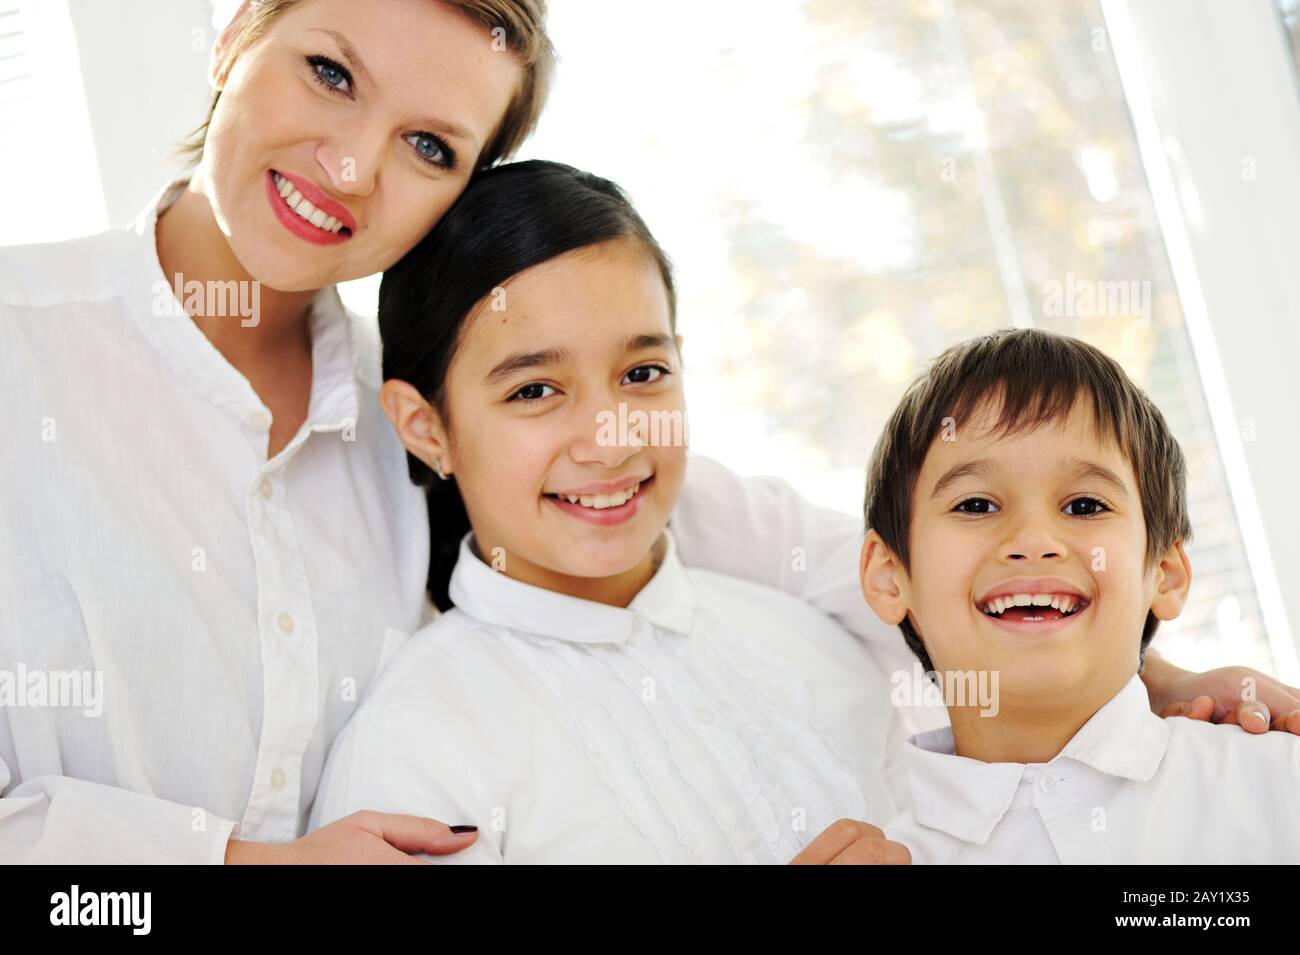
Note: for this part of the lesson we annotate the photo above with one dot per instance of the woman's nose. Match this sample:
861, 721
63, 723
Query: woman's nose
352, 162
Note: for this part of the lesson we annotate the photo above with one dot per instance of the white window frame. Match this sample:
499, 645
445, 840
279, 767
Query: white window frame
1211, 86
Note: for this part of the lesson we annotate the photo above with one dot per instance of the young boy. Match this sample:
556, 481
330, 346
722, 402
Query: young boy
1027, 516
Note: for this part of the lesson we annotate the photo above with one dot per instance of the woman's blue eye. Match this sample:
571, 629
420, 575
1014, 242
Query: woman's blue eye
638, 378
432, 150
530, 392
1090, 507
976, 505
330, 74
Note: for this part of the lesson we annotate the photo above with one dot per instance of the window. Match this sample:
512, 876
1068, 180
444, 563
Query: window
1290, 13
45, 127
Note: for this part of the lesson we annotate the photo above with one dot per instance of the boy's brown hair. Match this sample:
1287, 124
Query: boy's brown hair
1032, 377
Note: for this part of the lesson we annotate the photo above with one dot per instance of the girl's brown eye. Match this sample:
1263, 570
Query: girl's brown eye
640, 373
976, 505
530, 392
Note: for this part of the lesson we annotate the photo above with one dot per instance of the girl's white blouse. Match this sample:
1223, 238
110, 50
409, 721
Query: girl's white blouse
713, 720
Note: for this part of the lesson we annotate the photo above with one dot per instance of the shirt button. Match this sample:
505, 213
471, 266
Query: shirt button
284, 621
1049, 783
264, 489
704, 714
260, 421
277, 779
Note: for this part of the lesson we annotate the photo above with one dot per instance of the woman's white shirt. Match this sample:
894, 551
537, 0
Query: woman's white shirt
234, 608
713, 720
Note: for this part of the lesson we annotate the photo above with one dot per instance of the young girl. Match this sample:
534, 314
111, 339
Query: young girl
589, 698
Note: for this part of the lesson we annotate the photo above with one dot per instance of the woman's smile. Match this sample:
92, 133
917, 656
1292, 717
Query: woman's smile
306, 211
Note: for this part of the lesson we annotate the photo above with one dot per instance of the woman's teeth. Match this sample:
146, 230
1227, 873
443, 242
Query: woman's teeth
294, 200
602, 501
1065, 603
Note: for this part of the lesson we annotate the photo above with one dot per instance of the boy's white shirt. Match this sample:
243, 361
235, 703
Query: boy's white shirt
712, 720
237, 608
1129, 787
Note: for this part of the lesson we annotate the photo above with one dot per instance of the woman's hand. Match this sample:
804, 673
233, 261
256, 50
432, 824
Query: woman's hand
363, 838
850, 842
1254, 701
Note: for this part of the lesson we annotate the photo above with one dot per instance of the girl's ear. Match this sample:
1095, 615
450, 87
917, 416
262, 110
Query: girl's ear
417, 424
218, 68
1173, 582
884, 583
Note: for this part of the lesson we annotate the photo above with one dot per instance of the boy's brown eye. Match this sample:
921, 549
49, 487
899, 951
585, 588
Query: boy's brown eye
976, 505
1085, 507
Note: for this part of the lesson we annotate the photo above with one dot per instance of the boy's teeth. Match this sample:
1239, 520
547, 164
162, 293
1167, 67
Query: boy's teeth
304, 209
601, 501
1065, 603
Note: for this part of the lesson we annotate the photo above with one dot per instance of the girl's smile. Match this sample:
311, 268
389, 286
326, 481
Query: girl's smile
607, 508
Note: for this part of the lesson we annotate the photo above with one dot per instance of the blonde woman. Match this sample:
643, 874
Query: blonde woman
209, 539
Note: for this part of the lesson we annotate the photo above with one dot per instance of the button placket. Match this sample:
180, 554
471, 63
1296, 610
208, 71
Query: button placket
290, 668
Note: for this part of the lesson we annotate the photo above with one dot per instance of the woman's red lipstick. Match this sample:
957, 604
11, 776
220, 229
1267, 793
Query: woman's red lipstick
300, 226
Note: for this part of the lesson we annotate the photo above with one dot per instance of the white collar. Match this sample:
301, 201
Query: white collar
493, 598
333, 404
966, 798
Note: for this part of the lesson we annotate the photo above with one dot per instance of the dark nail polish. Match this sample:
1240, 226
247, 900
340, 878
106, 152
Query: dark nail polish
459, 829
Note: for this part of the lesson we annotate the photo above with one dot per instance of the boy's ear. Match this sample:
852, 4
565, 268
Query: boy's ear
218, 68
417, 423
883, 581
1173, 582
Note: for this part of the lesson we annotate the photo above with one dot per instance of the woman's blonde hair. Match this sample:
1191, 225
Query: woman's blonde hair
523, 29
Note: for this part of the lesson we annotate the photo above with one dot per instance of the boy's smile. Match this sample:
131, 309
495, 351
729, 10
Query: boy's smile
1033, 604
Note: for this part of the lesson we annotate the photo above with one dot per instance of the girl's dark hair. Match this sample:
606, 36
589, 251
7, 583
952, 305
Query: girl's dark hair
510, 218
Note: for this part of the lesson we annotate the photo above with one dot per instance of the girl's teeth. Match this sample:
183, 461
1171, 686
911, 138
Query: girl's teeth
600, 502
